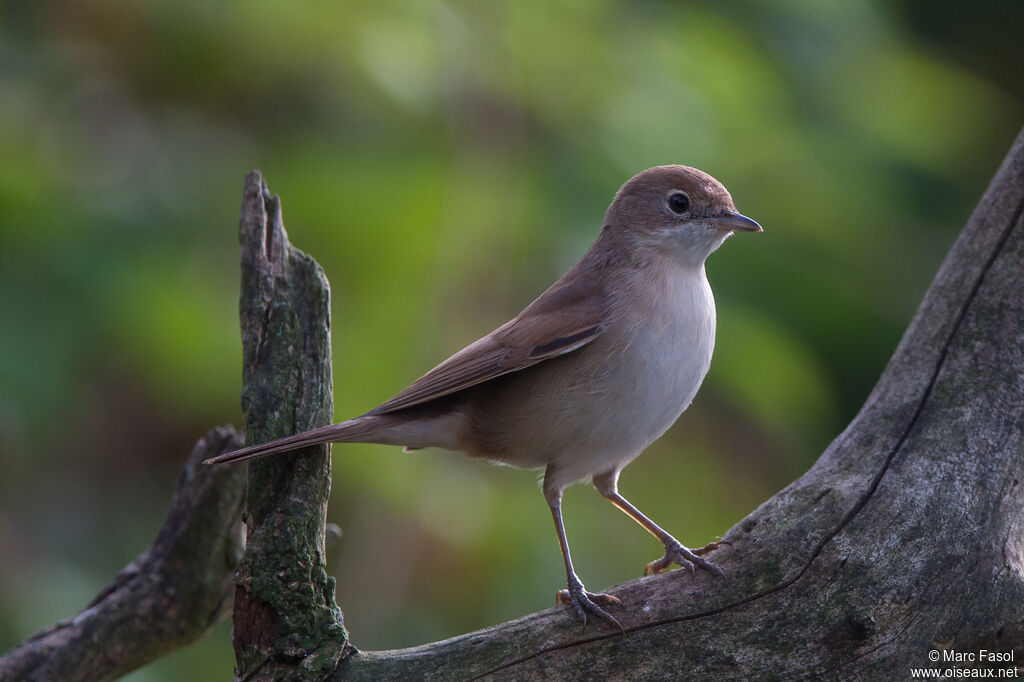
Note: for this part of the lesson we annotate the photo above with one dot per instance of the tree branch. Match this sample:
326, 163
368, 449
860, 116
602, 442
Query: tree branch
171, 594
286, 622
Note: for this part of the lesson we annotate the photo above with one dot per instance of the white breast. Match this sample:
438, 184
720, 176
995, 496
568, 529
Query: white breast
651, 362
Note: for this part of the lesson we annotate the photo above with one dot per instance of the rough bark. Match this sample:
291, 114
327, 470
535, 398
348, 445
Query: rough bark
905, 538
171, 594
286, 622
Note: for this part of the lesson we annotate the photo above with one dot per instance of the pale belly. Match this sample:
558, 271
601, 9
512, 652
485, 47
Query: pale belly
594, 410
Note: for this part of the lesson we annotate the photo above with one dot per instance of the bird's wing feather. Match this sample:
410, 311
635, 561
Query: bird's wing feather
567, 316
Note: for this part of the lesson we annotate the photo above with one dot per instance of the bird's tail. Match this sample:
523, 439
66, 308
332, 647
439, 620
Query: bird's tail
360, 429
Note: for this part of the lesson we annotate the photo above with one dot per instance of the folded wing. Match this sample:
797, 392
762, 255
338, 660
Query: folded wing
567, 316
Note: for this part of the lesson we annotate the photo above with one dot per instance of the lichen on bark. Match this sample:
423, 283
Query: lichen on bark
286, 623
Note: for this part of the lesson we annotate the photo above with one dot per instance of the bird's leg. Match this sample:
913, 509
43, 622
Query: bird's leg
583, 602
675, 551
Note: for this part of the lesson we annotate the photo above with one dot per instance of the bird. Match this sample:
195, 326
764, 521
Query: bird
589, 374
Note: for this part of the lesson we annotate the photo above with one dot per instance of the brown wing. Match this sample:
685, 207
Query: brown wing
565, 317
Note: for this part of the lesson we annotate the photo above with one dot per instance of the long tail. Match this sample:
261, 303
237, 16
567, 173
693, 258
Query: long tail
354, 430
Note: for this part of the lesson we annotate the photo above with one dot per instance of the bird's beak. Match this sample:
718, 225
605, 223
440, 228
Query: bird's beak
737, 222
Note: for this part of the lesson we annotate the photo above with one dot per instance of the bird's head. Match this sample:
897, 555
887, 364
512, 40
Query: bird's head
679, 211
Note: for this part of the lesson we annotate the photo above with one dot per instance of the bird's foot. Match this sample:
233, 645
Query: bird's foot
584, 602
676, 553
710, 547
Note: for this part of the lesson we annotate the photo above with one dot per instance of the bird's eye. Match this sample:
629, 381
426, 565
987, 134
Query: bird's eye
679, 203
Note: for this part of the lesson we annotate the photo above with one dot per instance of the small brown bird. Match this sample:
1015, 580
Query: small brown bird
590, 373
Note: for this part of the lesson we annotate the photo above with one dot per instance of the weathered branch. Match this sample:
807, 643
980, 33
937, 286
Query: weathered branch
286, 622
906, 537
170, 595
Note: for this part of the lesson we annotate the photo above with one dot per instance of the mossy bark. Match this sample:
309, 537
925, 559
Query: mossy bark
286, 622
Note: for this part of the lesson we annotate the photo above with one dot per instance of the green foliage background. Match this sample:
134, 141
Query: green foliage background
445, 161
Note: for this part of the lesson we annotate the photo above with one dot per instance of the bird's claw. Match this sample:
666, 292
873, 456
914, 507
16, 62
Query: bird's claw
710, 547
584, 602
676, 553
